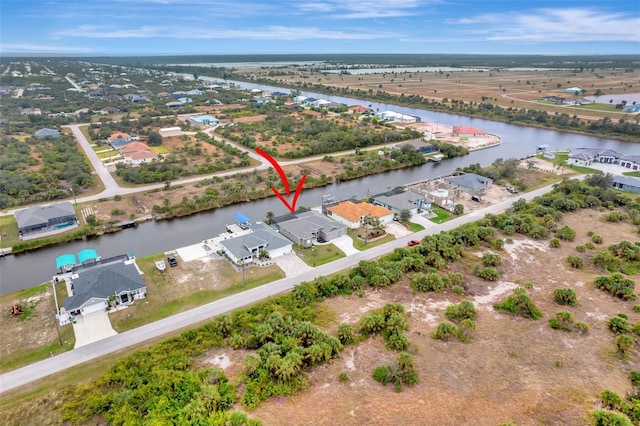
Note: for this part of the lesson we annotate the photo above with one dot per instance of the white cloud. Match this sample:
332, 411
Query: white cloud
556, 25
264, 33
363, 9
22, 47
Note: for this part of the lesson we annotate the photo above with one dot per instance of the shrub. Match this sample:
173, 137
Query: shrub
582, 327
400, 373
618, 325
618, 285
580, 248
490, 259
590, 245
609, 418
562, 321
489, 274
575, 262
117, 212
554, 243
459, 290
566, 233
463, 310
624, 344
345, 333
344, 377
636, 308
445, 331
565, 296
519, 305
117, 197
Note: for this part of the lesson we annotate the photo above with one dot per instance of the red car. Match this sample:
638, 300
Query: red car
413, 243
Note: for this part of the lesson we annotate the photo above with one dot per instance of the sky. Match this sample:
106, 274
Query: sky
169, 27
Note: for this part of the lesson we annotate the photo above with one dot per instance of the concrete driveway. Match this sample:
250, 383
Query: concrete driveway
291, 264
345, 243
92, 327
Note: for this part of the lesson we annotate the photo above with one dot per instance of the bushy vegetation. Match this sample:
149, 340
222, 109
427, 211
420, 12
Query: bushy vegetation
618, 285
491, 259
564, 321
565, 296
399, 374
463, 316
489, 274
518, 305
391, 323
575, 262
618, 410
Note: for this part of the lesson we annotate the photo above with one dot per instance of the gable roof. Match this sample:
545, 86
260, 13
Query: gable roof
304, 225
135, 146
260, 235
103, 282
38, 215
468, 130
42, 133
119, 143
353, 212
359, 108
118, 135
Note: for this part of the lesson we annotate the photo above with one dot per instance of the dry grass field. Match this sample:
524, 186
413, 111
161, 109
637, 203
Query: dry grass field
507, 88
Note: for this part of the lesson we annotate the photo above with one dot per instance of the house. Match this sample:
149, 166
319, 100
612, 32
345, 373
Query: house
358, 109
632, 108
185, 100
203, 121
109, 110
556, 99
92, 289
470, 182
626, 183
398, 200
46, 132
38, 219
194, 92
30, 111
467, 131
585, 156
419, 145
574, 90
308, 227
118, 143
293, 106
300, 99
137, 153
262, 240
118, 135
166, 132
352, 214
630, 161
174, 104
260, 100
397, 117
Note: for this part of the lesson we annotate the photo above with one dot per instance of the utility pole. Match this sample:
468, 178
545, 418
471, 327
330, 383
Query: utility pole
75, 201
55, 319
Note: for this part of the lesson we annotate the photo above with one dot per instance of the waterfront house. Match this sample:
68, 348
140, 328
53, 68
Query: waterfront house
39, 219
630, 161
398, 199
262, 240
585, 156
352, 214
308, 227
465, 131
470, 182
626, 183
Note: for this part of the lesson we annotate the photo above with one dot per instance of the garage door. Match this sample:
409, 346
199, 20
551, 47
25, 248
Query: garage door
93, 305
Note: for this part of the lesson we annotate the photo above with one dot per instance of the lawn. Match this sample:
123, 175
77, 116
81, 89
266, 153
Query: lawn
561, 160
599, 107
360, 245
160, 287
159, 149
413, 227
108, 155
8, 231
319, 255
441, 215
632, 174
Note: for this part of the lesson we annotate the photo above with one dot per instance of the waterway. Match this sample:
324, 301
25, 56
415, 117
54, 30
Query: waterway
29, 269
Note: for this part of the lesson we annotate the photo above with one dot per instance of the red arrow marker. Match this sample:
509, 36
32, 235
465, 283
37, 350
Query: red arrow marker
283, 178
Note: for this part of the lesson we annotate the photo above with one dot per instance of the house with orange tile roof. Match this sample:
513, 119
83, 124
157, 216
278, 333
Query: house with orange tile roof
358, 109
352, 214
137, 153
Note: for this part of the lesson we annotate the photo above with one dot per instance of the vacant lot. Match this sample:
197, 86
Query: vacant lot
514, 370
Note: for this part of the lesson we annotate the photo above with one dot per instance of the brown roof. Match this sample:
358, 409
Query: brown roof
135, 147
468, 130
359, 108
354, 211
117, 135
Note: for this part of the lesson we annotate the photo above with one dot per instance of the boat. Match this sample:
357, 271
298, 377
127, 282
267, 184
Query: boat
160, 265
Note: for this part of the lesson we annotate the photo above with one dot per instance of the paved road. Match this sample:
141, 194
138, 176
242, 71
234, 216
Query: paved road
38, 370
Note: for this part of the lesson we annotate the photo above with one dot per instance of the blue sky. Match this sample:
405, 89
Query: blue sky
111, 27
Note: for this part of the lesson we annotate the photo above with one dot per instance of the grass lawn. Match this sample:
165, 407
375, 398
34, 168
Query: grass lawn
633, 174
158, 304
19, 359
441, 215
159, 149
360, 245
413, 227
319, 255
108, 155
599, 107
8, 231
561, 160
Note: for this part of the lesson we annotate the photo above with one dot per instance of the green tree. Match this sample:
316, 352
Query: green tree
154, 139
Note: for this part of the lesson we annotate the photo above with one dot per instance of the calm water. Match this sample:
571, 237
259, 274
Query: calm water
26, 270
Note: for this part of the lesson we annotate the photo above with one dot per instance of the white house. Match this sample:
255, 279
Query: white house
170, 131
249, 247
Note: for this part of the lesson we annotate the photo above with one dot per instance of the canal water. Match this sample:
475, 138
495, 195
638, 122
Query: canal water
26, 270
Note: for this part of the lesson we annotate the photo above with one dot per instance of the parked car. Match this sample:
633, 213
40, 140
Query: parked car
413, 243
172, 261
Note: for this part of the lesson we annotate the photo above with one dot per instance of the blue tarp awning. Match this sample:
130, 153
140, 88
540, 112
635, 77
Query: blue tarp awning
65, 259
241, 218
87, 254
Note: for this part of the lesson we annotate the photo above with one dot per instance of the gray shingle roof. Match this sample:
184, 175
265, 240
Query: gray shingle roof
38, 215
470, 180
103, 282
261, 234
303, 225
627, 180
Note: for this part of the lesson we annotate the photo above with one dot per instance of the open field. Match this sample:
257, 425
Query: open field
507, 88
513, 370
